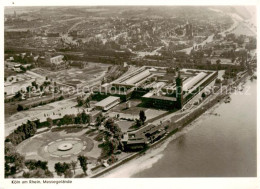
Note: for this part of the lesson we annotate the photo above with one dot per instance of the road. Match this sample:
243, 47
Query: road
10, 126
66, 37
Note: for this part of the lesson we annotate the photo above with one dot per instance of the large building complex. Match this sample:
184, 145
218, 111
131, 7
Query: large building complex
159, 88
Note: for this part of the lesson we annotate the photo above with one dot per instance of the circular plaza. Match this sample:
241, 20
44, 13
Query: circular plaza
63, 145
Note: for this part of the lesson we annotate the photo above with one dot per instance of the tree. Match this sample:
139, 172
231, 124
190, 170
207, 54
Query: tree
109, 147
65, 58
85, 118
28, 89
80, 101
87, 103
42, 164
34, 83
30, 129
142, 116
18, 94
23, 68
41, 88
61, 168
218, 81
99, 120
138, 122
13, 160
78, 119
218, 64
50, 122
113, 128
203, 95
67, 119
61, 98
73, 165
83, 163
20, 107
58, 123
38, 173
58, 168
34, 164
22, 132
109, 123
68, 174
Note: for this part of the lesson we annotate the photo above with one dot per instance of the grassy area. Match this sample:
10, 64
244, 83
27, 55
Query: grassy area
99, 137
134, 127
90, 131
125, 125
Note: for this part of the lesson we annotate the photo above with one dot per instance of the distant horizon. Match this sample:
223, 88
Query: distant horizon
251, 10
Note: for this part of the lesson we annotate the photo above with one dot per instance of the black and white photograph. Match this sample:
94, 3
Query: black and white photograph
130, 91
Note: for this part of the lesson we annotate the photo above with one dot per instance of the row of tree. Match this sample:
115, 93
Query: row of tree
37, 169
65, 169
80, 118
25, 131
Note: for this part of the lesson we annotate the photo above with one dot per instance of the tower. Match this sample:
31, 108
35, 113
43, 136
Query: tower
179, 92
189, 30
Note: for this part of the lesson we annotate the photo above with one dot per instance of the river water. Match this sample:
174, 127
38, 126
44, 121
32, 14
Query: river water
214, 146
221, 143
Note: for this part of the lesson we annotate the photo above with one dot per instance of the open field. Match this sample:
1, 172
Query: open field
91, 72
53, 110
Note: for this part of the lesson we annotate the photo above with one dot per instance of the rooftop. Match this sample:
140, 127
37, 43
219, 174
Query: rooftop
107, 101
163, 98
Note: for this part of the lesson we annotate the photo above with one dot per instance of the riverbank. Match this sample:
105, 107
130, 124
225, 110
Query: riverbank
153, 154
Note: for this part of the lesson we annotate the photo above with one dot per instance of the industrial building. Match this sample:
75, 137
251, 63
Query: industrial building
157, 88
138, 138
57, 60
107, 103
52, 61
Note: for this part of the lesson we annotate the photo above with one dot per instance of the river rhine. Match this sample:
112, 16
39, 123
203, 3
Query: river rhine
214, 146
